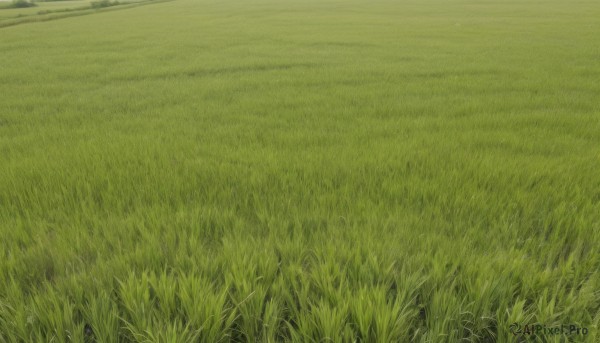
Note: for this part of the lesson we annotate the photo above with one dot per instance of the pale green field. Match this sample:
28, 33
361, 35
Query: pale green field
56, 9
11, 13
301, 170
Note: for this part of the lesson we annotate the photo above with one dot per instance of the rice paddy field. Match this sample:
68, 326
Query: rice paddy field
15, 12
302, 171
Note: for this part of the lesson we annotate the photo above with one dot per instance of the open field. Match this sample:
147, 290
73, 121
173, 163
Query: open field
42, 6
302, 170
58, 9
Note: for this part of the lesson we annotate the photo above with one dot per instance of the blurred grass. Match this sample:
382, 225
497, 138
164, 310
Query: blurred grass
59, 9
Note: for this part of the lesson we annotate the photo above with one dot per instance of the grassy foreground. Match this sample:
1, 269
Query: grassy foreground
299, 170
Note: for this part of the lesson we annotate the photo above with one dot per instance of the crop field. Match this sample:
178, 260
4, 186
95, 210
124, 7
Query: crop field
302, 171
12, 13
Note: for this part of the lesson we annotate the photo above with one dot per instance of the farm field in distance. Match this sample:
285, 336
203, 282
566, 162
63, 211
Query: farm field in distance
302, 171
37, 11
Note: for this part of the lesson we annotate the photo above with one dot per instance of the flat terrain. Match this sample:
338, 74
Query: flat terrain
41, 6
57, 9
301, 170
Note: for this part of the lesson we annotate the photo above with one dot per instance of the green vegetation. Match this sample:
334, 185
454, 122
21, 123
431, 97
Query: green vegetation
9, 12
104, 3
59, 9
22, 4
301, 170
17, 4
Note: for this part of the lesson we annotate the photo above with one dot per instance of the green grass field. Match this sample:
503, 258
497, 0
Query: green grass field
58, 9
10, 13
302, 170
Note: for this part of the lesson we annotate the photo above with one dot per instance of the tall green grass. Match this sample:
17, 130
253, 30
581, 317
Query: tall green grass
309, 171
